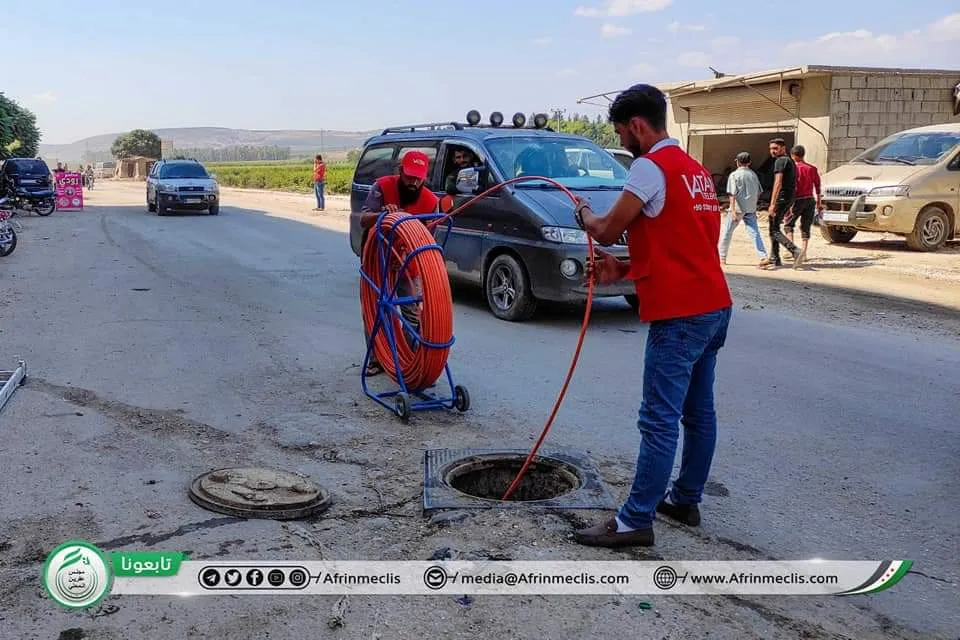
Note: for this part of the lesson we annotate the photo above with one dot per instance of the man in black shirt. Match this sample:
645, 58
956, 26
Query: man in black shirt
784, 193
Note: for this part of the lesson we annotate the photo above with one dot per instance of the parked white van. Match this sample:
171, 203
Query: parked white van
907, 184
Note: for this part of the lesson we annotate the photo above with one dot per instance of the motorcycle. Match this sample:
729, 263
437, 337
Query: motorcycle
8, 236
43, 202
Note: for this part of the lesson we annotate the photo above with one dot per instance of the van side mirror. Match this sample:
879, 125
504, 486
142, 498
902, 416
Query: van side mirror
468, 181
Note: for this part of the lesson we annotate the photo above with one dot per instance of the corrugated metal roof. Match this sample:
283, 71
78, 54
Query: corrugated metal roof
790, 73
774, 75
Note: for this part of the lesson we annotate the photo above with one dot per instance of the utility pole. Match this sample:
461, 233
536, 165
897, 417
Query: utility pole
558, 113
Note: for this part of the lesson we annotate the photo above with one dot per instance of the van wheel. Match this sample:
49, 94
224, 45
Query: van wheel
507, 286
930, 231
837, 235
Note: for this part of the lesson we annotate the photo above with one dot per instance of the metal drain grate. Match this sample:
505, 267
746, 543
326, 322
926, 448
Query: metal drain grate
437, 494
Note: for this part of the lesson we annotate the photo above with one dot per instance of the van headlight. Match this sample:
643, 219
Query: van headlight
564, 235
897, 191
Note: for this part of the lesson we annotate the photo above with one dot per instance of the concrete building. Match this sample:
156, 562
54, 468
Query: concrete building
835, 112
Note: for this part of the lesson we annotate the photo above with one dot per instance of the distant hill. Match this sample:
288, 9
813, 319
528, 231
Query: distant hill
301, 142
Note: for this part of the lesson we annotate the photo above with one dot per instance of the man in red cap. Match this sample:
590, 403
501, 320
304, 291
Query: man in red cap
405, 192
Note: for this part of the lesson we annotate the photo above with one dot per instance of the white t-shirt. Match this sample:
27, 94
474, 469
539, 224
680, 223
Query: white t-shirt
647, 182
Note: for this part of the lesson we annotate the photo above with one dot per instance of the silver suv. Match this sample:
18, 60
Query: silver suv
181, 185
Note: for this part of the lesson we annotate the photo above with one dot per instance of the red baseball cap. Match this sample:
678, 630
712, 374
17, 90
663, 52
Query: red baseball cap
415, 164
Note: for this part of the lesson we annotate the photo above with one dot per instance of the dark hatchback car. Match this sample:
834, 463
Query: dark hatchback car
30, 179
522, 243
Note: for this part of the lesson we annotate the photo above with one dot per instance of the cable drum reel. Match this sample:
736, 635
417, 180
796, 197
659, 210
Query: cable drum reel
402, 251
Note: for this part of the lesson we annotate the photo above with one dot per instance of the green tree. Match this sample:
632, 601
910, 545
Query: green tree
19, 134
598, 130
138, 142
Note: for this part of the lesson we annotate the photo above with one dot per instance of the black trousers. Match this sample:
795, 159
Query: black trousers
804, 210
777, 214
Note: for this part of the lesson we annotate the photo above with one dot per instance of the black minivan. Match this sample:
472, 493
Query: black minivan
522, 243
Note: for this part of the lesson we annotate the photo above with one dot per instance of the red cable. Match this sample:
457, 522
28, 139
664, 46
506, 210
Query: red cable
424, 366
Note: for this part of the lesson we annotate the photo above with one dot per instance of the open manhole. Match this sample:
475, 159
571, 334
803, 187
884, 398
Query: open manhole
470, 478
489, 477
249, 492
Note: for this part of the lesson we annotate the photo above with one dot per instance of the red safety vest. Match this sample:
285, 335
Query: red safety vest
426, 203
674, 258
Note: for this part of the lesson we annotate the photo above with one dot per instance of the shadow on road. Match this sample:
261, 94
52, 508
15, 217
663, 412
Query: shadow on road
898, 245
782, 295
856, 262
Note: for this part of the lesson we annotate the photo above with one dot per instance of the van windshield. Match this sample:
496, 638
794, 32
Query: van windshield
575, 163
926, 147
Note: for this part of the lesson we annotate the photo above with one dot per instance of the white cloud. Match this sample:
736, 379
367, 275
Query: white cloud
613, 31
915, 47
946, 29
694, 59
47, 97
676, 27
725, 41
567, 73
621, 8
545, 40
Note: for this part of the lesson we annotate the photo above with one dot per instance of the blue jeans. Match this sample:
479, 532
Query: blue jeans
318, 191
750, 220
678, 375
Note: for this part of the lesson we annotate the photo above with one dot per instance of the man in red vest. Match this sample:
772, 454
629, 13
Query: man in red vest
670, 212
405, 192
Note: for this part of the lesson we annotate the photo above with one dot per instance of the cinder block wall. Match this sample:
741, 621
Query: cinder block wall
864, 109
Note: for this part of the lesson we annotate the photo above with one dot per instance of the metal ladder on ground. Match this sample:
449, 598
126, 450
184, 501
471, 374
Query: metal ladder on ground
10, 380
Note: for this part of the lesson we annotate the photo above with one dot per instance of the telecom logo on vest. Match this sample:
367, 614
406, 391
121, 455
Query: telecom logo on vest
703, 191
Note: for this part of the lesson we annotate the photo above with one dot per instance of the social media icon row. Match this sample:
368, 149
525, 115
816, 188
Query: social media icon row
253, 577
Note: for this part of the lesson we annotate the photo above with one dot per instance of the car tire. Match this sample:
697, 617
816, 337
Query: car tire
634, 301
931, 230
837, 235
150, 207
215, 209
507, 289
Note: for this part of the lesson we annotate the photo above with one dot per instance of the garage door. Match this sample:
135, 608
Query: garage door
741, 109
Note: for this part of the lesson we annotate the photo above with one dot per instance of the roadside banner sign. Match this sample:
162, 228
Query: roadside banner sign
69, 191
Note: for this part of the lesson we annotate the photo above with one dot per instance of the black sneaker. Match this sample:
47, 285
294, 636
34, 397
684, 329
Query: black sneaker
686, 514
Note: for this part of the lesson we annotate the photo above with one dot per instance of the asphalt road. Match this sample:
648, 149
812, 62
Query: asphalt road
160, 348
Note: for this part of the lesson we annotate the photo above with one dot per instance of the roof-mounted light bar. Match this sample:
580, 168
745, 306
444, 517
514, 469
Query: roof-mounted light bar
519, 120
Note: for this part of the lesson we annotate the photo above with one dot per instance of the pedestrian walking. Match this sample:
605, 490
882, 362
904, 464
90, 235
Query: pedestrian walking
743, 187
808, 200
319, 181
670, 212
781, 199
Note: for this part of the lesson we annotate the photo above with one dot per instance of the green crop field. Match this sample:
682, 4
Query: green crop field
282, 175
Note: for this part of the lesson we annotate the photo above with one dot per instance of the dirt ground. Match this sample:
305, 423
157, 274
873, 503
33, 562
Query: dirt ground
873, 281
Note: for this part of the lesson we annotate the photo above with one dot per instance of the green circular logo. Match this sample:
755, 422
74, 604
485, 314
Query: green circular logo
77, 575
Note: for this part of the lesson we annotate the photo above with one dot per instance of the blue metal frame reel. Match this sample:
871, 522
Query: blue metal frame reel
387, 306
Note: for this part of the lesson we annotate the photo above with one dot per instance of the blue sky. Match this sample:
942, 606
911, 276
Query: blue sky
103, 67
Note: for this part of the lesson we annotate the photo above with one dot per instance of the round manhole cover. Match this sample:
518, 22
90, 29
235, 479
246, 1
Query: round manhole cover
489, 477
259, 493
